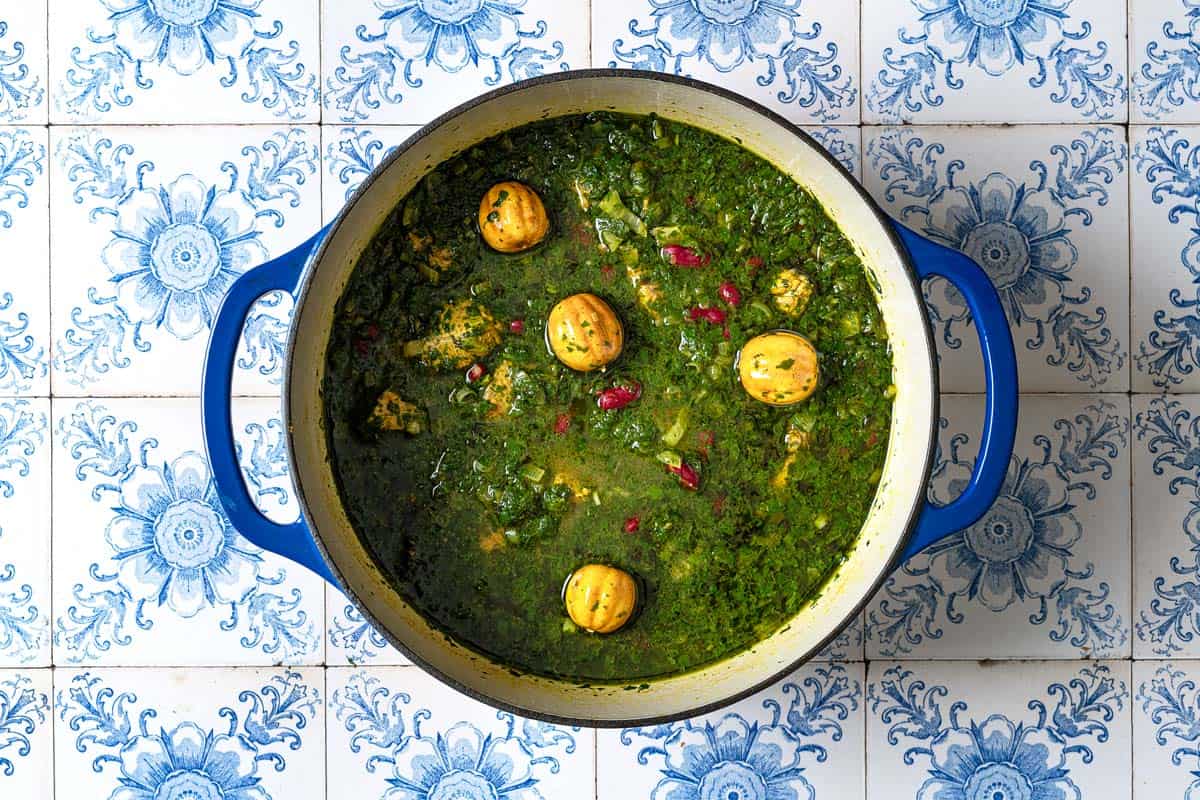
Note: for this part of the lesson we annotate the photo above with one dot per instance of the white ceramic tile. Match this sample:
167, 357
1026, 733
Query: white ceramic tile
179, 61
26, 741
1045, 573
1164, 216
999, 730
389, 62
212, 733
799, 59
23, 62
994, 61
24, 533
1164, 72
148, 570
1166, 538
1044, 211
1166, 762
801, 738
348, 154
398, 727
139, 277
24, 262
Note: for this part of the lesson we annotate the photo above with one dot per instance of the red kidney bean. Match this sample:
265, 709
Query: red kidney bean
681, 256
688, 477
729, 293
615, 397
713, 316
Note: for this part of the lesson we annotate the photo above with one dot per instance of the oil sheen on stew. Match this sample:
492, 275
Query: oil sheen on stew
481, 471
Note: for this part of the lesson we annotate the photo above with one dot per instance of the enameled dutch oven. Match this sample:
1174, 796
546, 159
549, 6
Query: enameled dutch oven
900, 521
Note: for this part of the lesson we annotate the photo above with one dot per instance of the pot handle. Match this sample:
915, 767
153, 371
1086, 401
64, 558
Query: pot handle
1000, 411
292, 540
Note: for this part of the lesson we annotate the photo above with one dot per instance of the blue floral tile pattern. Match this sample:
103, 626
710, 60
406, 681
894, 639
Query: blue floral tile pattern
405, 61
164, 565
348, 154
1166, 757
163, 243
252, 735
1166, 481
797, 57
1035, 731
143, 60
947, 60
1042, 573
802, 738
1165, 208
1165, 75
396, 733
25, 739
23, 63
24, 294
1043, 212
24, 533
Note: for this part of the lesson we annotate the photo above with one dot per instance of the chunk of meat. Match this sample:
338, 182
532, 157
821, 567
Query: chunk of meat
463, 332
393, 413
499, 391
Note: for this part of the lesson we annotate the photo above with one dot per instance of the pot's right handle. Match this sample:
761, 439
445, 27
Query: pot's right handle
999, 367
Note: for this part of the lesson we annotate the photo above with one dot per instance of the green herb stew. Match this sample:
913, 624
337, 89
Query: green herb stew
618, 343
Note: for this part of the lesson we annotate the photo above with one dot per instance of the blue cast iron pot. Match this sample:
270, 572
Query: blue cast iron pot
899, 524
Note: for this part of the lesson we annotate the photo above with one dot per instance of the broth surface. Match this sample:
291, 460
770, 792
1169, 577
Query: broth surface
480, 512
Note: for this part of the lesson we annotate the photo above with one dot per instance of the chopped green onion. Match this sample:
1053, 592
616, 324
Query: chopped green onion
581, 193
612, 206
820, 521
533, 473
675, 433
670, 458
462, 394
610, 237
761, 308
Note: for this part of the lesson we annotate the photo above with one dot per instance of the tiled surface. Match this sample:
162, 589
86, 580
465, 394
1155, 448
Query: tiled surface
999, 730
1086, 224
803, 735
1044, 210
1045, 574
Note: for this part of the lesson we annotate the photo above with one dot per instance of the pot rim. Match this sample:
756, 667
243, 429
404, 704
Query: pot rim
431, 128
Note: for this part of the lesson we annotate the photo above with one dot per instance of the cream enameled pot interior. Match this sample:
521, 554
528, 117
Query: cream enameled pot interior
902, 488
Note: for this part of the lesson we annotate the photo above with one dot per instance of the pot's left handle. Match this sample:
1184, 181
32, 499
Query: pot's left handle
292, 540
1000, 405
